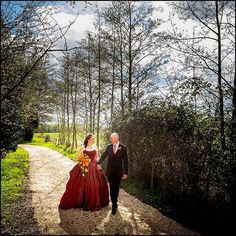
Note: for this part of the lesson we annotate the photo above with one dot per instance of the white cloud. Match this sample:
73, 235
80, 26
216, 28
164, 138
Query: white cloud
84, 22
161, 9
84, 8
77, 30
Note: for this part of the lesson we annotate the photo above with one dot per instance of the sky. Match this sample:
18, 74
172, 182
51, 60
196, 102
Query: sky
86, 16
84, 22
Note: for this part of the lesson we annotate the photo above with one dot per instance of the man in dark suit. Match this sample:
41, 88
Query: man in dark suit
117, 167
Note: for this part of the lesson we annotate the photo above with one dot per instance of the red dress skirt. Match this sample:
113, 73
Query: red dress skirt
89, 192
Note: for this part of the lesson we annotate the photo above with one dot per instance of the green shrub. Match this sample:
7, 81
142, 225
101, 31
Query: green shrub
47, 138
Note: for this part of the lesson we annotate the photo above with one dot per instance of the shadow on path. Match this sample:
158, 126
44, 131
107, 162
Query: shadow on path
77, 221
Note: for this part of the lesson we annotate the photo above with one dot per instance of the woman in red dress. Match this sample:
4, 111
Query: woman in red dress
89, 192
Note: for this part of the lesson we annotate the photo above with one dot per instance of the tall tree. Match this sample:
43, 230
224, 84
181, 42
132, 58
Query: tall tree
29, 36
135, 41
99, 74
211, 17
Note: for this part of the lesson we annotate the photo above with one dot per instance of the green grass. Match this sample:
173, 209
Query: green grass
39, 139
14, 168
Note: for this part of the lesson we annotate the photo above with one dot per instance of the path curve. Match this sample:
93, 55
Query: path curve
48, 175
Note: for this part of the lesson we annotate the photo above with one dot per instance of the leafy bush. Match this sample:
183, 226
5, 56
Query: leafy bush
12, 126
15, 127
47, 138
176, 152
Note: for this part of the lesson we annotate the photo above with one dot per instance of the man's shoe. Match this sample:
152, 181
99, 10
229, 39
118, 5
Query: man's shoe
114, 210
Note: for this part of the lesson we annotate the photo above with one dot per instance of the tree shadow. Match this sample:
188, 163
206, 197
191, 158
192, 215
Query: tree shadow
118, 225
76, 221
18, 217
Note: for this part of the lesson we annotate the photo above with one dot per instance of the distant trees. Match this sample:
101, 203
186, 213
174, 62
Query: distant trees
133, 36
68, 99
112, 73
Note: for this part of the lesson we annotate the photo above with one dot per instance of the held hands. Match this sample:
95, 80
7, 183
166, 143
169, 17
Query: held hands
98, 166
124, 177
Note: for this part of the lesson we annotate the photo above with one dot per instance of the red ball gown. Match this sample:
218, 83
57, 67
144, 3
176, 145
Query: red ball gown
89, 192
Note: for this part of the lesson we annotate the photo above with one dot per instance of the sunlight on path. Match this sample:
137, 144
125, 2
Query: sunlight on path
49, 173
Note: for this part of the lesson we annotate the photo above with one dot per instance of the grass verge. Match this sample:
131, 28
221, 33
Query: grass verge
14, 168
39, 140
46, 140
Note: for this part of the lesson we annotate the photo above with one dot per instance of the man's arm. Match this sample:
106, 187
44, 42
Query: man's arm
125, 160
103, 156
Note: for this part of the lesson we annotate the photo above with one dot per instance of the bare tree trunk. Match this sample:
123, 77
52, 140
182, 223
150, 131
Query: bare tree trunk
63, 124
90, 90
121, 75
72, 105
130, 62
75, 91
113, 78
99, 80
86, 110
67, 81
68, 118
233, 121
221, 98
94, 117
152, 164
194, 73
59, 121
137, 96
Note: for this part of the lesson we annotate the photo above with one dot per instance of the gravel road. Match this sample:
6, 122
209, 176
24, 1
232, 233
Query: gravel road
48, 175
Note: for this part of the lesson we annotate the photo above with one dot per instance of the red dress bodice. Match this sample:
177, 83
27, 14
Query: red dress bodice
91, 154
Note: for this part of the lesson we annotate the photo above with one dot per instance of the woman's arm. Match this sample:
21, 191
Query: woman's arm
97, 153
80, 151
97, 156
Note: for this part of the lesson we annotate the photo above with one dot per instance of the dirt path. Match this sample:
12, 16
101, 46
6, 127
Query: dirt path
48, 175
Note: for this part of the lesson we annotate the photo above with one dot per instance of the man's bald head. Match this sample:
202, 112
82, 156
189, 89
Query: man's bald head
114, 138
